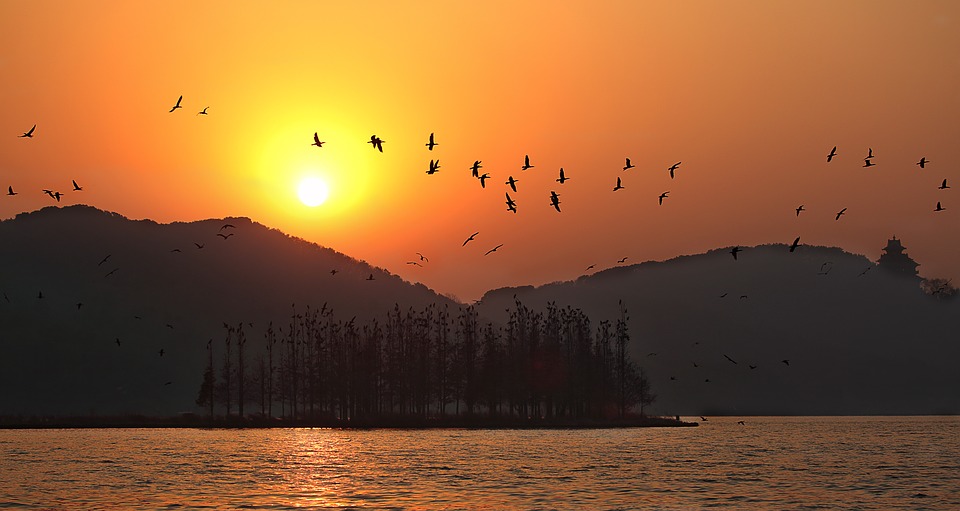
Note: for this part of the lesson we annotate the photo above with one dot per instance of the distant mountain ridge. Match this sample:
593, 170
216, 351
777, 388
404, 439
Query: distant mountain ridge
90, 298
858, 339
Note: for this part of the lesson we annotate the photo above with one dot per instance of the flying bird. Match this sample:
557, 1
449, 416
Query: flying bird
943, 186
622, 260
619, 186
224, 236
377, 142
111, 272
227, 226
869, 153
728, 358
734, 251
939, 207
370, 277
415, 263
868, 163
752, 366
333, 272
526, 162
833, 152
431, 143
513, 183
799, 209
562, 178
160, 352
923, 162
663, 196
79, 304
555, 201
117, 340
474, 235
199, 245
422, 258
11, 193
76, 187
104, 259
673, 168
178, 104
483, 179
204, 111
511, 205
434, 167
795, 244
316, 140
589, 267
475, 168
494, 249
786, 361
840, 213
29, 134
628, 165
175, 250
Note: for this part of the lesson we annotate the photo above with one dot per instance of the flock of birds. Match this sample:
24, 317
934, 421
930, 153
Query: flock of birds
511, 184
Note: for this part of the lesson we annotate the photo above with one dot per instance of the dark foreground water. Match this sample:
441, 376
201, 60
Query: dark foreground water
879, 463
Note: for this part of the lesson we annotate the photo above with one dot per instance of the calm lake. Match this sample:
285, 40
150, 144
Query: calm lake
879, 463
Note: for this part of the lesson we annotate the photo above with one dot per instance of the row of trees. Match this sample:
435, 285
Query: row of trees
427, 364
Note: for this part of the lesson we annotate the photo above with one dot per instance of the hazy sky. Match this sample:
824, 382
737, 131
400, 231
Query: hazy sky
749, 95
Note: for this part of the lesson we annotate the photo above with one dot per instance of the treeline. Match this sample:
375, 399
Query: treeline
426, 364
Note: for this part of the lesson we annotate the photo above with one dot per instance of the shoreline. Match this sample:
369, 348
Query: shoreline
194, 422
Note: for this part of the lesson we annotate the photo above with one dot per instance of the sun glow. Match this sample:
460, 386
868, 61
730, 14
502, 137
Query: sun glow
313, 191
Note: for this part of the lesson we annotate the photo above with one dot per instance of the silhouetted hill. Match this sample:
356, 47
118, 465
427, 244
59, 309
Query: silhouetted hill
856, 343
156, 290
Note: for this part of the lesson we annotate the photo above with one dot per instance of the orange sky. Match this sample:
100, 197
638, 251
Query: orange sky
749, 95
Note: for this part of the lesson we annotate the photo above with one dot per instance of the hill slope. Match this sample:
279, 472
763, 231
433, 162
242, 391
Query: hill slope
151, 286
856, 343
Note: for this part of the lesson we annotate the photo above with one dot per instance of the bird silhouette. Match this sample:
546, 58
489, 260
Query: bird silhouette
923, 162
494, 249
204, 111
483, 179
939, 207
621, 260
555, 201
316, 140
833, 152
111, 272
161, 352
474, 235
562, 179
752, 366
741, 423
868, 163
377, 142
40, 295
175, 250
526, 162
79, 304
663, 196
589, 268
226, 226
864, 272
224, 236
840, 213
117, 340
513, 183
29, 134
475, 168
734, 251
869, 153
786, 361
430, 145
728, 358
628, 165
795, 244
333, 272
704, 419
199, 245
825, 268
11, 193
178, 104
415, 263
104, 259
673, 168
76, 187
511, 206
619, 186
422, 258
799, 209
370, 277
434, 167
943, 186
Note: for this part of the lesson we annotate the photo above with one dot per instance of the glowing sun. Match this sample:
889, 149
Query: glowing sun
312, 191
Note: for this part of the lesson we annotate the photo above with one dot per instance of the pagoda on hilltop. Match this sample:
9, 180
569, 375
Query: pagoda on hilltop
895, 260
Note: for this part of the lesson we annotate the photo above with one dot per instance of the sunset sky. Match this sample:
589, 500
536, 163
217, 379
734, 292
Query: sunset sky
749, 95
